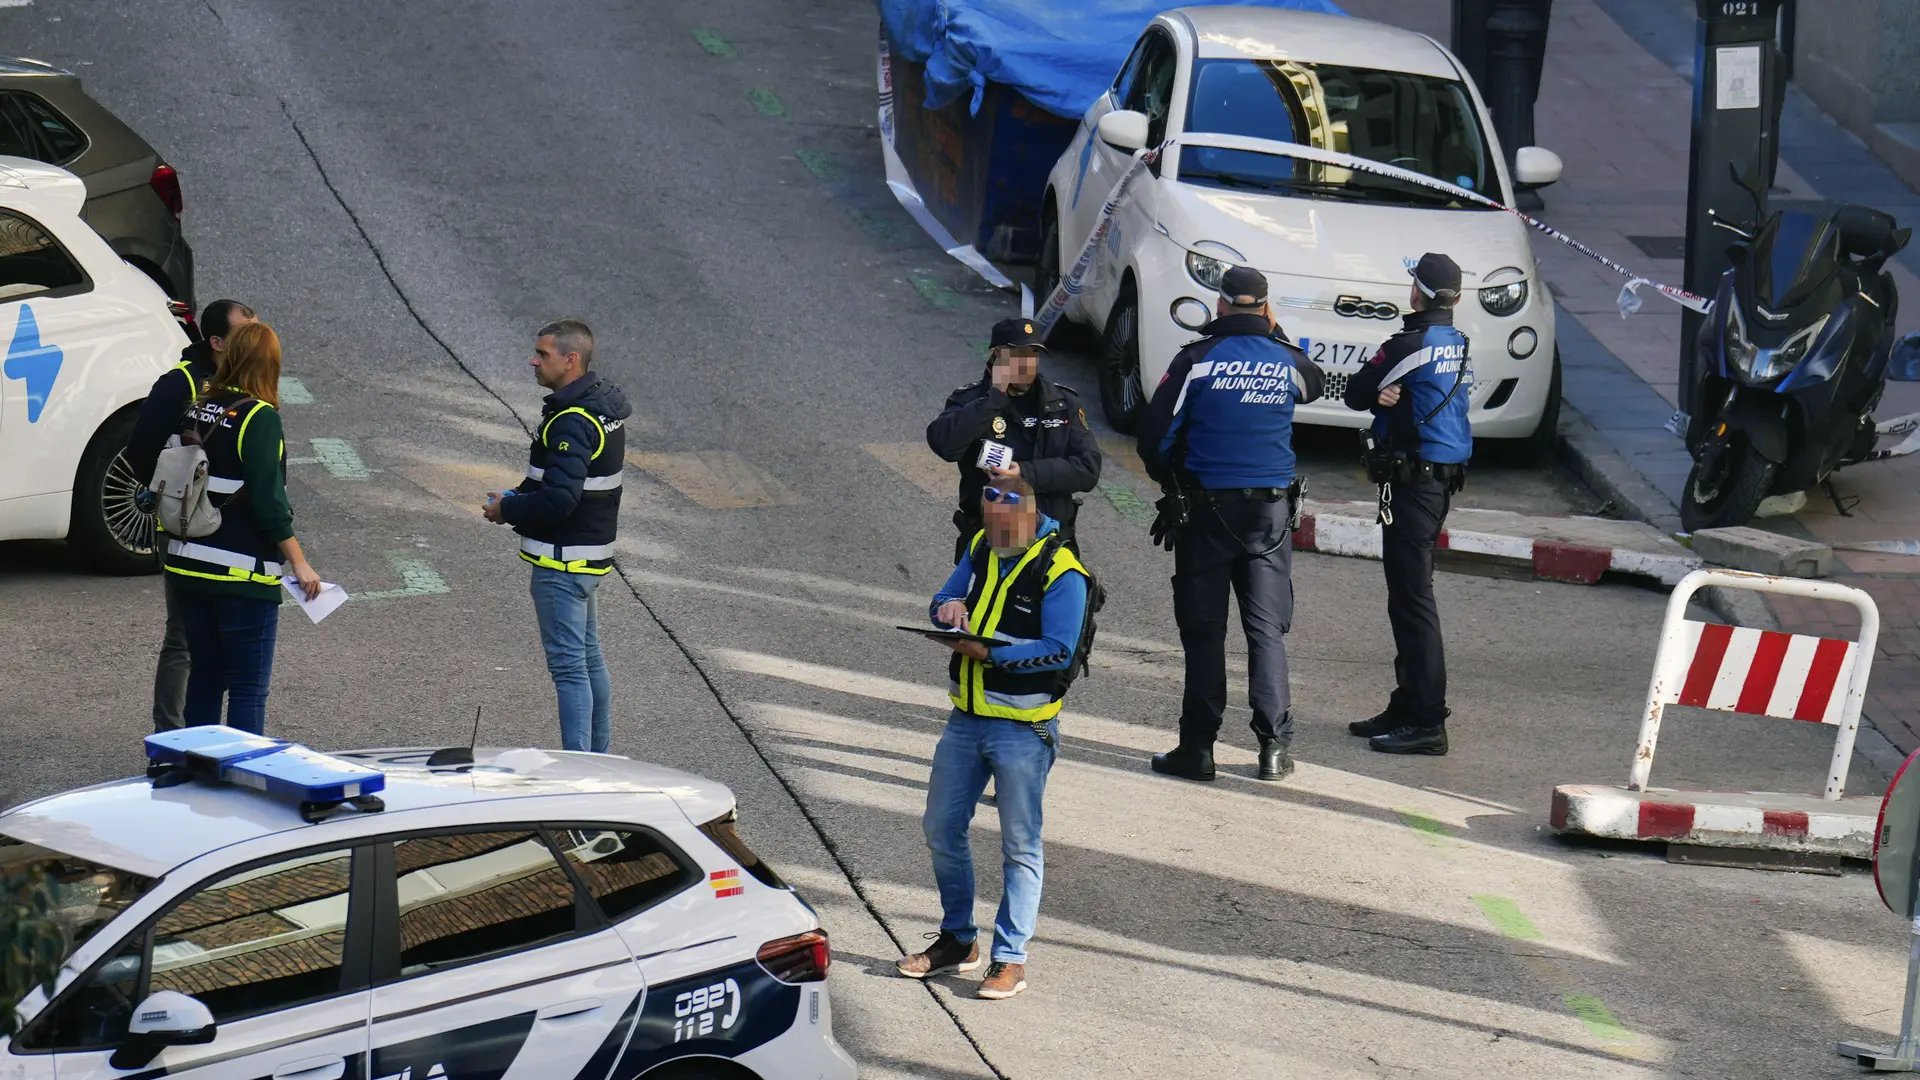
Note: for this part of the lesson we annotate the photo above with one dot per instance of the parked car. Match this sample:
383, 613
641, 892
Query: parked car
133, 195
1334, 243
87, 335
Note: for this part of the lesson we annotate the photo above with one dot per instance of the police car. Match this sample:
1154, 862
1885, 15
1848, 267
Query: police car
87, 334
1223, 86
412, 915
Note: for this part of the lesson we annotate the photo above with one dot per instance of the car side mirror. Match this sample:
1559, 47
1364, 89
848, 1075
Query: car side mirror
166, 1018
1536, 166
1124, 129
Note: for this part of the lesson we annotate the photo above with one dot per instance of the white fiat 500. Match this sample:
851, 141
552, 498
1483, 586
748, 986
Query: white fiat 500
487, 914
87, 334
1334, 243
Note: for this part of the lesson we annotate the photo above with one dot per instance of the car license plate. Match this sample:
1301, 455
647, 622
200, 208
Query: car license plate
1339, 354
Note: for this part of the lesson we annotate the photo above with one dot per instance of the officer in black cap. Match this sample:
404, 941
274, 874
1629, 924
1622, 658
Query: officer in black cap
1417, 387
1016, 421
1218, 436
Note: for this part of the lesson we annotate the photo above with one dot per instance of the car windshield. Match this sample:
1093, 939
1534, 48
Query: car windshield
1415, 122
80, 896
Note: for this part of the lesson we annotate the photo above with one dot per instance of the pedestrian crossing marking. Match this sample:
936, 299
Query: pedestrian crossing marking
417, 578
338, 457
716, 479
294, 392
917, 465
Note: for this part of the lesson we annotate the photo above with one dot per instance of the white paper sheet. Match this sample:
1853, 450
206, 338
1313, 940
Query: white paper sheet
331, 596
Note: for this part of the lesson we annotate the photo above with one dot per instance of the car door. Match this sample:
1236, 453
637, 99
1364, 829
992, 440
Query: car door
1150, 90
276, 951
494, 957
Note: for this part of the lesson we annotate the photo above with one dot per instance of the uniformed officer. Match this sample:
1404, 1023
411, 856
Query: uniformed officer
1218, 436
1417, 386
1040, 420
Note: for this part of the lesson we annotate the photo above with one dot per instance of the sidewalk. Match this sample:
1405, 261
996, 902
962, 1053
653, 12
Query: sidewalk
1616, 105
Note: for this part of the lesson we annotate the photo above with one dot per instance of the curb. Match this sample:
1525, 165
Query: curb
1752, 820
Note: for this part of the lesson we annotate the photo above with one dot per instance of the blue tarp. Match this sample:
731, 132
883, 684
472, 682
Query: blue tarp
1060, 54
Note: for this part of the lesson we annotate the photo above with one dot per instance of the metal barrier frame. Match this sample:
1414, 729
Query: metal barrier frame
1676, 616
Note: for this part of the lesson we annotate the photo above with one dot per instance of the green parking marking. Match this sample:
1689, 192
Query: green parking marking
766, 102
339, 458
1127, 503
820, 164
876, 226
417, 578
935, 293
294, 392
1506, 917
1429, 829
712, 42
1592, 1012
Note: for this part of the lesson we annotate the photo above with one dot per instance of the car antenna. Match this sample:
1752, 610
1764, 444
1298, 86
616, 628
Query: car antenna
458, 755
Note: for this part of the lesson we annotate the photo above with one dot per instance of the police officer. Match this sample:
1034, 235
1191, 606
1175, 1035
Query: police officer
1417, 386
1040, 420
1218, 436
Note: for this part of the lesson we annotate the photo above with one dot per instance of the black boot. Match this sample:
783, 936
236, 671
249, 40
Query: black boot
1187, 762
1378, 725
1276, 760
1431, 741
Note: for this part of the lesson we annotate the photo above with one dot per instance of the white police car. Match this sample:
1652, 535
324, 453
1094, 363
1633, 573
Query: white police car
87, 334
1224, 86
509, 914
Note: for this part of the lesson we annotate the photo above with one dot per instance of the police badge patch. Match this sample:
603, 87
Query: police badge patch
999, 427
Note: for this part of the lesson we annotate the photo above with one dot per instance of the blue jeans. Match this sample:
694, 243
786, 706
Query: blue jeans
971, 749
230, 645
568, 607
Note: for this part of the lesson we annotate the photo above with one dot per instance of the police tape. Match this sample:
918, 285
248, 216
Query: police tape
1070, 282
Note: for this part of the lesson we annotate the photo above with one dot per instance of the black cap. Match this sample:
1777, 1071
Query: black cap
1437, 274
1243, 286
1016, 334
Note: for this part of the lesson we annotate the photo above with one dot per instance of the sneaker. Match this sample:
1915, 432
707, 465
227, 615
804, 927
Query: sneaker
944, 955
1003, 980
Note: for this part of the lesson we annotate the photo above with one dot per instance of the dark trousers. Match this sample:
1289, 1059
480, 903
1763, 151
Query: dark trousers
1242, 547
231, 641
170, 674
1406, 552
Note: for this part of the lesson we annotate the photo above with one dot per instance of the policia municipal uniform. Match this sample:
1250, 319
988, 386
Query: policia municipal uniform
1418, 455
1043, 424
1218, 436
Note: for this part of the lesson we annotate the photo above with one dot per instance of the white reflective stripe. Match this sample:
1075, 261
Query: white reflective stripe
574, 552
1407, 365
221, 557
1019, 701
1198, 371
601, 483
535, 472
220, 485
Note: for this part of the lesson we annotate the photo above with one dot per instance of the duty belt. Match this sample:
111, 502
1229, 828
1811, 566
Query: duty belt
1240, 495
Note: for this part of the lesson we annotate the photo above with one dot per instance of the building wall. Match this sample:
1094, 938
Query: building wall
1856, 60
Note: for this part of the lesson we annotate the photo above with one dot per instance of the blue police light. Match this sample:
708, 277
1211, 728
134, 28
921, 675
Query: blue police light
282, 769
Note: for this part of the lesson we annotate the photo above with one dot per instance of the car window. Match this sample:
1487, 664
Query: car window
61, 140
627, 871
32, 262
467, 896
16, 132
94, 1014
1123, 82
265, 939
1151, 91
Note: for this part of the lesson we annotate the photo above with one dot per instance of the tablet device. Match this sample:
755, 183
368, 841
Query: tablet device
937, 634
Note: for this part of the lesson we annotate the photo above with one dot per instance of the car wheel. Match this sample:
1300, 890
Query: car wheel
1540, 449
1046, 274
1726, 484
108, 529
1121, 394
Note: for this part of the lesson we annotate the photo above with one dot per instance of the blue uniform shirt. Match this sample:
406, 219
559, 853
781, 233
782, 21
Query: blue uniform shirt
1225, 408
1427, 358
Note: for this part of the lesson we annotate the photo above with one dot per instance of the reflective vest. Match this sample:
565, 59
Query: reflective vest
237, 550
583, 542
1004, 601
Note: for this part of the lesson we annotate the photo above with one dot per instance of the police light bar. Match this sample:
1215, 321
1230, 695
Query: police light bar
319, 782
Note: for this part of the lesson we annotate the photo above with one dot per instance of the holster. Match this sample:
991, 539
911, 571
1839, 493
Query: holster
1296, 502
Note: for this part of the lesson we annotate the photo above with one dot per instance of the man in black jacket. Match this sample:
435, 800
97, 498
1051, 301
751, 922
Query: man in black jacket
1040, 421
159, 419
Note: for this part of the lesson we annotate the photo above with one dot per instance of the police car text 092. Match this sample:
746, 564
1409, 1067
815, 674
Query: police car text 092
529, 915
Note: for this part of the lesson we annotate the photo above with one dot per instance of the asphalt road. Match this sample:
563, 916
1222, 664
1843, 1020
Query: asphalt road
407, 190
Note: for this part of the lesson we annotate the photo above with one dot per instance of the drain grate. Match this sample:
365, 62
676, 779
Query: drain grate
1661, 247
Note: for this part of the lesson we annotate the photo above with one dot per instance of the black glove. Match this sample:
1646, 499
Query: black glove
1172, 515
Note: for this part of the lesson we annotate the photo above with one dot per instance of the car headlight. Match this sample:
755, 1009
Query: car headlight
1207, 272
1503, 300
1740, 351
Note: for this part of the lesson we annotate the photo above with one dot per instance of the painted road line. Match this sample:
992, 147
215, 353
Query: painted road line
1505, 915
935, 293
417, 578
463, 484
716, 479
294, 392
820, 164
917, 465
339, 458
876, 226
712, 42
1431, 832
766, 102
1128, 503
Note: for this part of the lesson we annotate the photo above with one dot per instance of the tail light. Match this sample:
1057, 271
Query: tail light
797, 959
165, 183
184, 314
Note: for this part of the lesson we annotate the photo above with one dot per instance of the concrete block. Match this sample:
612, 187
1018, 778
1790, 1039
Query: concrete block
1761, 552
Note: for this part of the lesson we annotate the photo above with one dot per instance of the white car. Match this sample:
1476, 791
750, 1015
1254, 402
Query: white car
1335, 244
87, 334
508, 915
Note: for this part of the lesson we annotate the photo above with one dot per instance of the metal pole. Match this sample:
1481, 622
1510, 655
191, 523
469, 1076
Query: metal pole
1468, 34
1516, 50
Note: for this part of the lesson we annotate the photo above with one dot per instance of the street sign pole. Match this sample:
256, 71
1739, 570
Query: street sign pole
1735, 66
1896, 872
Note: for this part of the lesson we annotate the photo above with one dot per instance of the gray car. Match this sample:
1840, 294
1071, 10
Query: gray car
133, 195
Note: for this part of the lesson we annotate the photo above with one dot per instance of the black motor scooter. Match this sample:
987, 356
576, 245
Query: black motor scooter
1793, 358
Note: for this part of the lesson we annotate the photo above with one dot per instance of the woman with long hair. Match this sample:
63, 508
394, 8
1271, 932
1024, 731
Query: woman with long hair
229, 580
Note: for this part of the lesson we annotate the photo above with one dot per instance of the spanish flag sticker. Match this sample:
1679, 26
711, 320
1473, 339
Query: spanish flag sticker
725, 883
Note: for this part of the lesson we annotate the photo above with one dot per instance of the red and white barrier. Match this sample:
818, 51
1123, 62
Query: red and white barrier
1756, 672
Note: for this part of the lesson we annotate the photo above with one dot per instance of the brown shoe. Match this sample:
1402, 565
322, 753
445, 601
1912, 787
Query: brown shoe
944, 955
1003, 980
